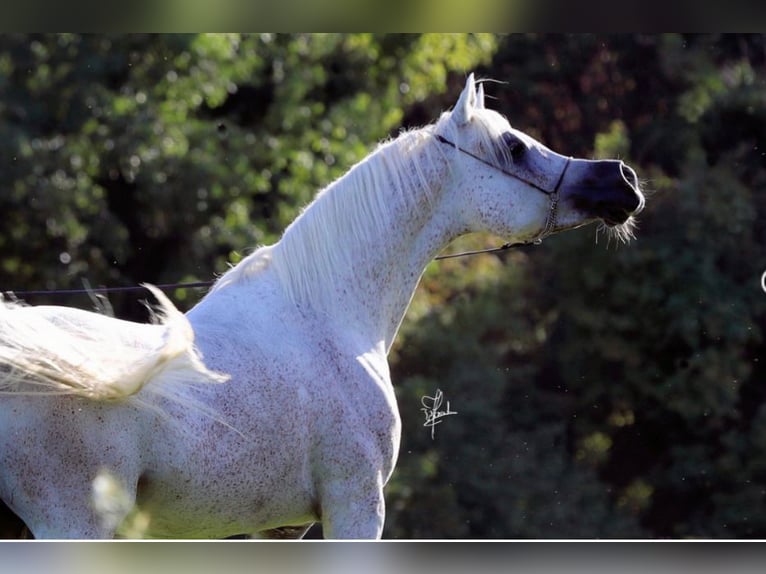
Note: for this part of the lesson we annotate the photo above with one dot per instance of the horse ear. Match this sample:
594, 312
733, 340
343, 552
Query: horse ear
465, 103
480, 97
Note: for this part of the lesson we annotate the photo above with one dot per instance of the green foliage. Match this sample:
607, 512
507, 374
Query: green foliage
621, 395
154, 157
504, 458
600, 390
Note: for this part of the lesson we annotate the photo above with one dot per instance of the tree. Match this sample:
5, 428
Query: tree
600, 390
161, 158
627, 387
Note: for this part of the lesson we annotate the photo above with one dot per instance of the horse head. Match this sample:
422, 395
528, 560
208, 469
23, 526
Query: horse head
512, 185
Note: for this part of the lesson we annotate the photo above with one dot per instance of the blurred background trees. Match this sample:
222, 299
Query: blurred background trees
601, 390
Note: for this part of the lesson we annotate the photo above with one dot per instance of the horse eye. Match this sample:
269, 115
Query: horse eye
515, 146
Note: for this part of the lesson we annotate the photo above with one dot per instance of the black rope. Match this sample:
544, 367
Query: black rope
503, 247
202, 284
135, 288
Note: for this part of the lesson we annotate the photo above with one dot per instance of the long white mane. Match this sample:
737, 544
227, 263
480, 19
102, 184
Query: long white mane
348, 217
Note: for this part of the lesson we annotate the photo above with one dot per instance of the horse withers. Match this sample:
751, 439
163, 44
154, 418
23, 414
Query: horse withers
269, 406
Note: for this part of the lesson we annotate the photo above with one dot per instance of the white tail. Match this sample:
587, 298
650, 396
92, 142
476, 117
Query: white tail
82, 353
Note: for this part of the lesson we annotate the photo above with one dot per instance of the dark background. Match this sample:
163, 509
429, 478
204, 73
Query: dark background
602, 391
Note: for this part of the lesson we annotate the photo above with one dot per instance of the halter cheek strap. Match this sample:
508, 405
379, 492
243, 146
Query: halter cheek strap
553, 196
555, 189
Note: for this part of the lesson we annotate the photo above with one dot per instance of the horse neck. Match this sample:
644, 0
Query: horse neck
358, 251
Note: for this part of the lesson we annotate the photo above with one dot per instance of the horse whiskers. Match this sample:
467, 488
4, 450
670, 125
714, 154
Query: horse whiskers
622, 233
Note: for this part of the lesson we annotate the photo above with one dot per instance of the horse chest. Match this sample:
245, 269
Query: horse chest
304, 375
301, 411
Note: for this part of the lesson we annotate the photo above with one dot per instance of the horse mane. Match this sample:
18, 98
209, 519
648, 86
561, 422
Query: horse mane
356, 210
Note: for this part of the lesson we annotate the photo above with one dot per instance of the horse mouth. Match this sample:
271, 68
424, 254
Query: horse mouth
619, 223
611, 211
615, 217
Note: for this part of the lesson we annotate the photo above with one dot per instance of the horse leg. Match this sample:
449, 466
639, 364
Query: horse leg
353, 508
59, 491
64, 514
71, 509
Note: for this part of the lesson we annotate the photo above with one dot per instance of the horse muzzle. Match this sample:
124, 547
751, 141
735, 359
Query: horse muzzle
604, 189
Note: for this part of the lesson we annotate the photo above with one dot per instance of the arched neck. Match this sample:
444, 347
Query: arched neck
358, 251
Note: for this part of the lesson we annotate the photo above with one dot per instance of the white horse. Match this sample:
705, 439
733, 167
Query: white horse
269, 406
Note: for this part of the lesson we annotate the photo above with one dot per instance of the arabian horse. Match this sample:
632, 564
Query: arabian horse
269, 405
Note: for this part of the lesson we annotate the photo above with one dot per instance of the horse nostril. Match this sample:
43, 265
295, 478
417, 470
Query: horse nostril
629, 176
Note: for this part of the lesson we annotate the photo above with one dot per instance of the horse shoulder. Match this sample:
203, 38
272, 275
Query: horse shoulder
358, 417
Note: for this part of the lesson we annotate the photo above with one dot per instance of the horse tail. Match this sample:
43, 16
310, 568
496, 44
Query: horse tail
70, 353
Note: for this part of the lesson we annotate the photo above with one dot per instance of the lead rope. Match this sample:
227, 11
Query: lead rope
550, 224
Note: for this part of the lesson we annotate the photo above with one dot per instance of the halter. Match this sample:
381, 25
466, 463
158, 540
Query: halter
553, 195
